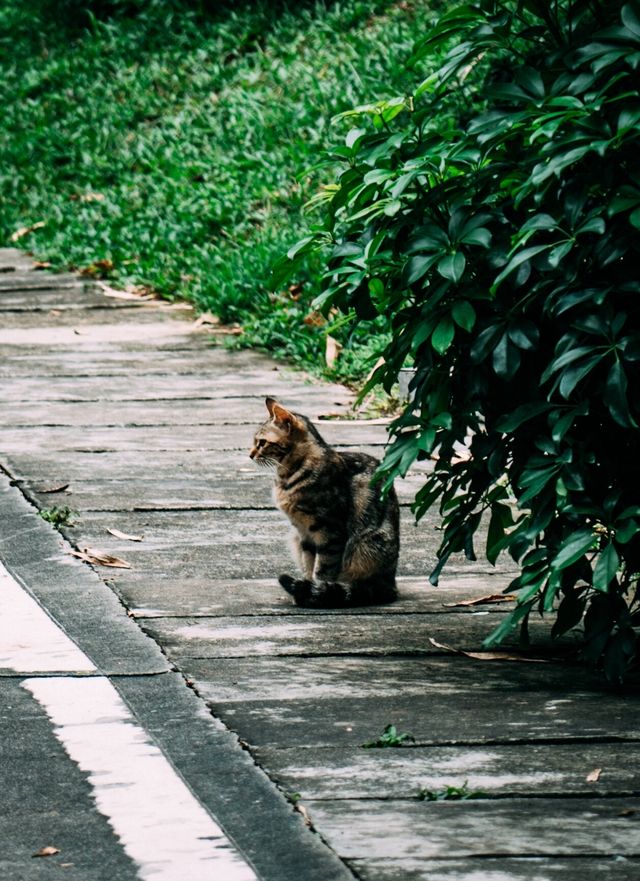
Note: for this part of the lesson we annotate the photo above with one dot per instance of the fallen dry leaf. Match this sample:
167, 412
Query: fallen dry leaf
41, 264
59, 488
124, 535
233, 330
206, 318
305, 815
627, 812
483, 601
48, 851
594, 776
100, 559
332, 351
25, 230
489, 656
175, 307
98, 267
87, 197
314, 319
131, 292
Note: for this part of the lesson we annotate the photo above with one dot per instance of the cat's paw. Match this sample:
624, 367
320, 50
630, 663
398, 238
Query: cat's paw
299, 588
287, 582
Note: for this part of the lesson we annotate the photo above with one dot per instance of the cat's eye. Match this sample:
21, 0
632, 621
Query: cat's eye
260, 443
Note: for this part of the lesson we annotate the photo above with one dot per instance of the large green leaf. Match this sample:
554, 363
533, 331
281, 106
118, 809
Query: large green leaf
616, 399
518, 259
463, 314
452, 266
442, 336
573, 548
606, 568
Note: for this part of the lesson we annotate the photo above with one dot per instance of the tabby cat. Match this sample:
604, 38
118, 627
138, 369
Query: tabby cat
346, 537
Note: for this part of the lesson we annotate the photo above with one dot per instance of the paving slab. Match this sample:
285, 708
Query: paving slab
452, 678
531, 769
178, 484
30, 283
153, 387
617, 868
480, 828
163, 596
233, 410
197, 354
240, 544
14, 260
46, 298
219, 438
427, 715
319, 634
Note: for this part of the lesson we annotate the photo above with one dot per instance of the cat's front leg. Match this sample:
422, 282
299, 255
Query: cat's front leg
328, 562
305, 553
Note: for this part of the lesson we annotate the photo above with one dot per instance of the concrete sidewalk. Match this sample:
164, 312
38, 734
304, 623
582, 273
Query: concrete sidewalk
122, 410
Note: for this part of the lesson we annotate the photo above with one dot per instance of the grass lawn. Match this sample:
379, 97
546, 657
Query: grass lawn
175, 148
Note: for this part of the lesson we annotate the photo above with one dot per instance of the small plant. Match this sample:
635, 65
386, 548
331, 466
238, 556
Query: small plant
58, 516
293, 797
389, 737
450, 793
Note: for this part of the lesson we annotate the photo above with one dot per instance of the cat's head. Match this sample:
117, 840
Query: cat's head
275, 438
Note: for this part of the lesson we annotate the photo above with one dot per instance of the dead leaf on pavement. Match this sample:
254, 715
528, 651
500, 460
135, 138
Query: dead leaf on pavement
483, 601
124, 535
206, 318
131, 292
332, 351
59, 488
594, 776
48, 851
627, 812
41, 264
489, 656
100, 559
25, 230
98, 267
305, 815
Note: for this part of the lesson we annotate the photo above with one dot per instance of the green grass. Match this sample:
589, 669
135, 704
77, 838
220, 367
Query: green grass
171, 148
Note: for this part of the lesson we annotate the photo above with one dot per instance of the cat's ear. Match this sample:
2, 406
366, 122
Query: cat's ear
280, 414
271, 403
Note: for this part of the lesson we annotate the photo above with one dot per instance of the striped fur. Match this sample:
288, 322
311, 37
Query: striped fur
346, 536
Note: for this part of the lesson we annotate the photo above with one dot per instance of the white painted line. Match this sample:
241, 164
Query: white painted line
161, 825
30, 641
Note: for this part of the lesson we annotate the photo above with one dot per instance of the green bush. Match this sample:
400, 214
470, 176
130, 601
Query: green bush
494, 216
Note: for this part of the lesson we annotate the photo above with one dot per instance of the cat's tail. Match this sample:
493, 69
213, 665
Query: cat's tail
336, 595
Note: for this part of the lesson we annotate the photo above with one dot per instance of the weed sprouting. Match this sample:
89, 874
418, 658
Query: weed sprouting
389, 737
450, 793
58, 516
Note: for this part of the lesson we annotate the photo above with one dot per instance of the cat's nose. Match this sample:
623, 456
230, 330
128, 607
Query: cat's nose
253, 453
